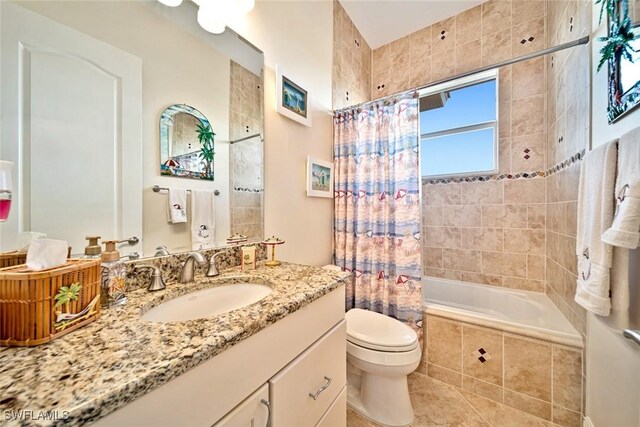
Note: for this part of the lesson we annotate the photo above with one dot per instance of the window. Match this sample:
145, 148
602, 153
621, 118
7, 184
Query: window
458, 126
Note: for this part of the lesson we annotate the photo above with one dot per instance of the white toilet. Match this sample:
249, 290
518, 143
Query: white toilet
381, 353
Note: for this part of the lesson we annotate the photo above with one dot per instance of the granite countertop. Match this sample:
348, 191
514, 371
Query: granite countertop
101, 367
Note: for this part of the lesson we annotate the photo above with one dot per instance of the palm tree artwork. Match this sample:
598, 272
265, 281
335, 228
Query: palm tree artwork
206, 138
66, 294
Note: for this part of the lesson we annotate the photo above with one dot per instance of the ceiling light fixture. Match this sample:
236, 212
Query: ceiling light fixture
171, 3
213, 15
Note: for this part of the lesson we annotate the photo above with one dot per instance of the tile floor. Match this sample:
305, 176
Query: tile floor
438, 404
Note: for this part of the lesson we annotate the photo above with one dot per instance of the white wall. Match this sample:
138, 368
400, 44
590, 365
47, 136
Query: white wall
612, 362
177, 68
296, 35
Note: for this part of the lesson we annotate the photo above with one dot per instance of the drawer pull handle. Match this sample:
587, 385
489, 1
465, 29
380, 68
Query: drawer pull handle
268, 405
321, 389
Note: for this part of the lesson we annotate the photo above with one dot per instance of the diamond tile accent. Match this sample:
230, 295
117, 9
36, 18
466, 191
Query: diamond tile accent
443, 34
526, 156
482, 355
526, 150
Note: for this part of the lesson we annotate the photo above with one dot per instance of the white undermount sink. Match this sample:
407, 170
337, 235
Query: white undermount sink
207, 302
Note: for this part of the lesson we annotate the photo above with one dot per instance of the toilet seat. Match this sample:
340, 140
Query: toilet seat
375, 331
384, 358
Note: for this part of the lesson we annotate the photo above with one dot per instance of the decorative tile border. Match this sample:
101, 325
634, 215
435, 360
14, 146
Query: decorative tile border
565, 164
248, 190
521, 175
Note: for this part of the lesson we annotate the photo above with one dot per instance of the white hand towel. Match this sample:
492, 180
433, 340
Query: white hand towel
203, 219
46, 253
595, 214
625, 230
177, 206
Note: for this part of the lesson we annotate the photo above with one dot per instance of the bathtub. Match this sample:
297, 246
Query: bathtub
531, 314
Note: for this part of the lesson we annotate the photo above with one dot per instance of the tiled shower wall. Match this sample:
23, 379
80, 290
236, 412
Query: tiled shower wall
568, 118
490, 230
487, 34
246, 157
351, 61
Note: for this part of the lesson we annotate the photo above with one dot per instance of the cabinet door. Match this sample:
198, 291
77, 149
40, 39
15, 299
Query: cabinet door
303, 391
252, 412
336, 415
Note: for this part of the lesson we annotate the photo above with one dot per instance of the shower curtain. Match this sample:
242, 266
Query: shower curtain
377, 207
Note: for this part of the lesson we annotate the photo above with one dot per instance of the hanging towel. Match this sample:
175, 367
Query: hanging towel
177, 206
595, 214
624, 233
625, 230
203, 219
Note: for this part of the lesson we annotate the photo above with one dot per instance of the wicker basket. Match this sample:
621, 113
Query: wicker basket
9, 259
27, 301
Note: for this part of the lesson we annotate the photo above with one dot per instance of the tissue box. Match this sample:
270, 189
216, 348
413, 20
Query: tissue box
33, 310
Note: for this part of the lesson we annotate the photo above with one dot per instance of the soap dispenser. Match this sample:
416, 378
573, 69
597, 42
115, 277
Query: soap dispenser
93, 250
112, 277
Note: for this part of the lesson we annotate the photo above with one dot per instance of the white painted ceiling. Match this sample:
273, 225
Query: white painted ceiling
383, 21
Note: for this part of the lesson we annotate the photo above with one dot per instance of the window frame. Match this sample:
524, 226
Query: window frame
460, 83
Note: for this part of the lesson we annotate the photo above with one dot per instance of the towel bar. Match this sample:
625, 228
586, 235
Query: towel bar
632, 335
157, 189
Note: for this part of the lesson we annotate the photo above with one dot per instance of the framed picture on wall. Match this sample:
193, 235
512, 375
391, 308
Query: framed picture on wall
319, 178
292, 100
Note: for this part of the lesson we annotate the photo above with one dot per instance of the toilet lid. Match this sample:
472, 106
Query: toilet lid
379, 332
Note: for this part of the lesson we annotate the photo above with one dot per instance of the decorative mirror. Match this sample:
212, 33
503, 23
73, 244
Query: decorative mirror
186, 143
621, 51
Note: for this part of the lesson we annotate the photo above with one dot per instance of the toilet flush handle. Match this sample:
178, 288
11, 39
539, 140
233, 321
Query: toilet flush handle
321, 389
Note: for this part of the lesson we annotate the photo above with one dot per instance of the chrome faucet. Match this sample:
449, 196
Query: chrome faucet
189, 268
156, 283
213, 267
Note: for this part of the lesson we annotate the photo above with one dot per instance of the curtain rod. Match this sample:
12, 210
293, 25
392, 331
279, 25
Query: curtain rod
563, 46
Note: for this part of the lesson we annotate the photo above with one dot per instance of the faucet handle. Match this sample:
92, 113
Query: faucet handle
157, 283
213, 267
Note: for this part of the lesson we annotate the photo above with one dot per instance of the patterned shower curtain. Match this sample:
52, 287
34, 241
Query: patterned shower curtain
377, 207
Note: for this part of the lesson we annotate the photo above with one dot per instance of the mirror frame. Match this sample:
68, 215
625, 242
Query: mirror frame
620, 103
167, 115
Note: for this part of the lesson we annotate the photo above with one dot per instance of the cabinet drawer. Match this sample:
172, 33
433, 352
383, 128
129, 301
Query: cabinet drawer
250, 413
336, 415
320, 371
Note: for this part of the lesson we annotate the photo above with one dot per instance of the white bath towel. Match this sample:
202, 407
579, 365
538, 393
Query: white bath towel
177, 206
625, 230
595, 214
203, 219
624, 233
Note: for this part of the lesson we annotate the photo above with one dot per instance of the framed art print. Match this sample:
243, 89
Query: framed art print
319, 178
292, 99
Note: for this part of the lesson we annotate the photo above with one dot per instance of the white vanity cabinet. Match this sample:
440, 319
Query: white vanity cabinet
304, 390
252, 412
282, 364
